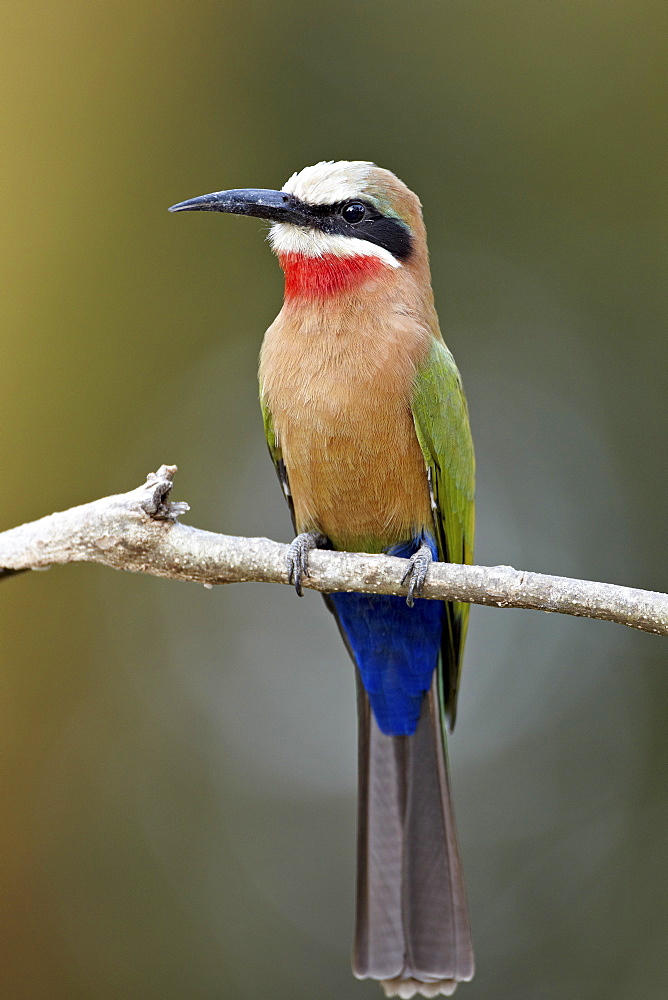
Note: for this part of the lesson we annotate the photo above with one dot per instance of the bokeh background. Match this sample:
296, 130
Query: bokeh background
178, 766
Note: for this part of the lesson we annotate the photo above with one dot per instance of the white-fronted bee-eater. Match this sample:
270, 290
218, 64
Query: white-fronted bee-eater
367, 425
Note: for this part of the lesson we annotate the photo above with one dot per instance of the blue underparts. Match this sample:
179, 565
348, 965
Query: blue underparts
396, 648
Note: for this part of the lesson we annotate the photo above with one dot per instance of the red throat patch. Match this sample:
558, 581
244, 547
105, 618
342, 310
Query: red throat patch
320, 277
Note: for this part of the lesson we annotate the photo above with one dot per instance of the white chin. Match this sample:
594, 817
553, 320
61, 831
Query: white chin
286, 238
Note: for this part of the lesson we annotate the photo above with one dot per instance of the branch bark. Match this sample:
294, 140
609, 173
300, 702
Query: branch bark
139, 531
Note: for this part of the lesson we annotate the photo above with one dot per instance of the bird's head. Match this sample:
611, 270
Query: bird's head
335, 225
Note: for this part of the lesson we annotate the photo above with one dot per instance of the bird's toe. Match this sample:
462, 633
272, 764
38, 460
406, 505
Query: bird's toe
416, 574
298, 557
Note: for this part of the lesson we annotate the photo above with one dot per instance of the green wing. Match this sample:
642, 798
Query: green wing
276, 455
442, 426
269, 433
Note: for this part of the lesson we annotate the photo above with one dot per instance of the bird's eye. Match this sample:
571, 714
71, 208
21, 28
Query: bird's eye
353, 212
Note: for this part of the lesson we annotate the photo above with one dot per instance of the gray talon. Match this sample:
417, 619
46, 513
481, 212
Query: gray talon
416, 574
297, 560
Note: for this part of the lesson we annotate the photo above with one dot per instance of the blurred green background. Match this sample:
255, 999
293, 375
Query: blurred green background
177, 765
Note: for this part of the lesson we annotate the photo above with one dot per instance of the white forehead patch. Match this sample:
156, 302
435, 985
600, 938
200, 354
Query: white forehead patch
328, 183
286, 238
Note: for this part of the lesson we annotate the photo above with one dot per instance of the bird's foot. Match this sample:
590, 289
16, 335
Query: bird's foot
416, 574
298, 551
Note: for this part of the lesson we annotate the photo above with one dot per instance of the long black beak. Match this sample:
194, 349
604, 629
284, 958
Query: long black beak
278, 206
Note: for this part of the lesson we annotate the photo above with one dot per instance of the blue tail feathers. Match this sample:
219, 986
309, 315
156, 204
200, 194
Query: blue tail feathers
395, 647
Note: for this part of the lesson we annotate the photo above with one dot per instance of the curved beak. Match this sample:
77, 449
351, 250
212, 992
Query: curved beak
278, 206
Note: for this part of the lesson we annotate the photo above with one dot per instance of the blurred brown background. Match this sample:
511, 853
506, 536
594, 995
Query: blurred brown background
178, 766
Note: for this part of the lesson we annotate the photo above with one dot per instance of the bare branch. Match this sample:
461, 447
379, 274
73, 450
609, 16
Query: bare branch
139, 531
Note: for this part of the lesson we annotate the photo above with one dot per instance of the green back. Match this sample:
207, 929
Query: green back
442, 426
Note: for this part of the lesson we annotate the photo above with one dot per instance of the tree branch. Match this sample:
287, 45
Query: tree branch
139, 531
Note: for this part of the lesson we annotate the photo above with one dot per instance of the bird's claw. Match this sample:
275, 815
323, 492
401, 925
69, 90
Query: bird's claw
416, 574
298, 557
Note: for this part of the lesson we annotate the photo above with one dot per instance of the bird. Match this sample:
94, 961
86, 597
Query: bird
367, 425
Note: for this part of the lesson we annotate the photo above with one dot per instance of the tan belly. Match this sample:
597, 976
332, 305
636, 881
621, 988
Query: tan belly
364, 487
343, 422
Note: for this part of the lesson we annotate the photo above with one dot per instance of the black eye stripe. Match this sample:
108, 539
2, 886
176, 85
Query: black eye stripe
381, 230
